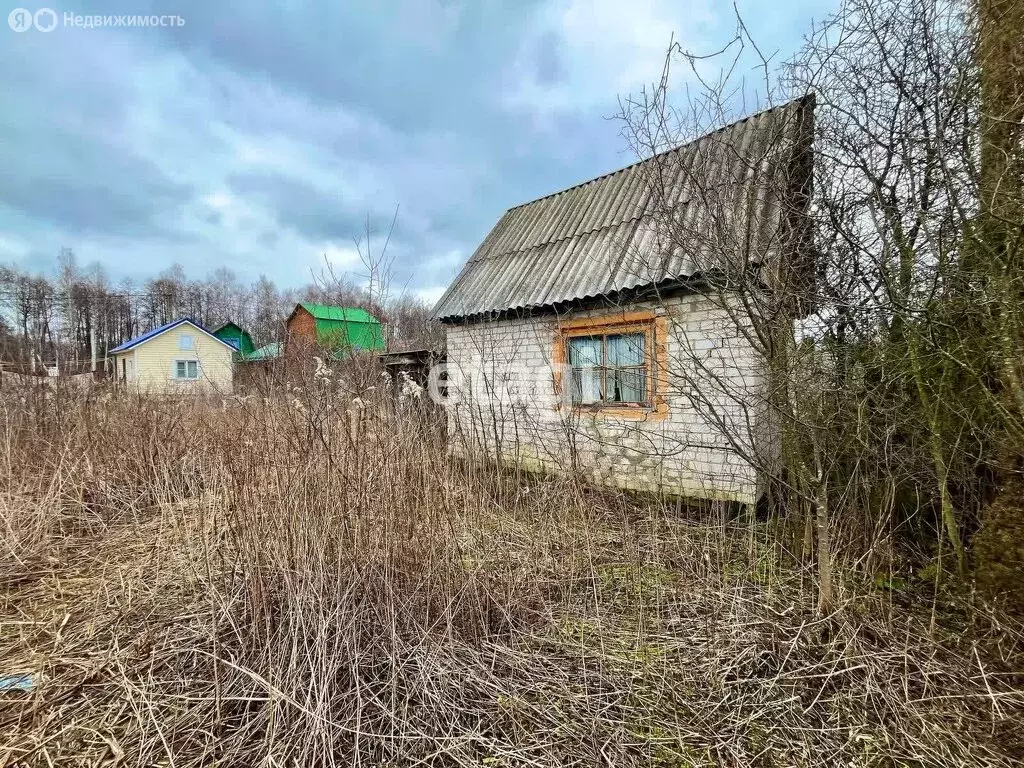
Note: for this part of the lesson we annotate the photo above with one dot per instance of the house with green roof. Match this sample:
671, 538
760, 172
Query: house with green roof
237, 337
340, 329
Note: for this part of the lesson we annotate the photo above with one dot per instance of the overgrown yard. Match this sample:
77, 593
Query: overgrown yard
292, 582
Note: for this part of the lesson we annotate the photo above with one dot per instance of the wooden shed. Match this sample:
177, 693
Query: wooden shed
339, 329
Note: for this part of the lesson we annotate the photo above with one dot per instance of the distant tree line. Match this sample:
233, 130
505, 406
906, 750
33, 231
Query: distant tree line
56, 320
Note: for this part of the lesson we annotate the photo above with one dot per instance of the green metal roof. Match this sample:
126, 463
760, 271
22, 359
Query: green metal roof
350, 327
269, 352
346, 314
236, 336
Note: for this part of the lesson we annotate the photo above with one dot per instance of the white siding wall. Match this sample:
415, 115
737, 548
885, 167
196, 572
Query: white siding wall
504, 401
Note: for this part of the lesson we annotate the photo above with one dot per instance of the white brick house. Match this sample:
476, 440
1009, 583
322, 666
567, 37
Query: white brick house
594, 330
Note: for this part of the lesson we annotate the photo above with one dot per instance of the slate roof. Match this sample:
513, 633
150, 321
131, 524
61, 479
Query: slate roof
624, 230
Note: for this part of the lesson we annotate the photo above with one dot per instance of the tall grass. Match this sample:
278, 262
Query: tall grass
309, 579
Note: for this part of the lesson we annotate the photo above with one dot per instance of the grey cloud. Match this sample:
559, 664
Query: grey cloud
84, 184
403, 70
122, 138
299, 205
109, 206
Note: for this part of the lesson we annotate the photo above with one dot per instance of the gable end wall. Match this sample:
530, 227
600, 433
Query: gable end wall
155, 358
302, 326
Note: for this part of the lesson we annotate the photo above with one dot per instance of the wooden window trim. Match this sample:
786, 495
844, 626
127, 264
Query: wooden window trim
655, 330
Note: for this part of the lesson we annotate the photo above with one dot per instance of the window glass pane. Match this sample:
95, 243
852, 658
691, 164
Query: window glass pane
627, 385
193, 369
586, 384
185, 341
585, 359
627, 349
584, 351
180, 369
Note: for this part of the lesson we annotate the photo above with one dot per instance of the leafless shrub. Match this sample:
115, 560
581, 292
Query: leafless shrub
311, 579
894, 367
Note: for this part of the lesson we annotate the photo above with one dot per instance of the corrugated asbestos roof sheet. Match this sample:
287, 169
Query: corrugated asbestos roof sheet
672, 216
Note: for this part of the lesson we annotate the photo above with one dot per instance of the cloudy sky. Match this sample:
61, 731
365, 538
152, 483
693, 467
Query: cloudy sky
259, 136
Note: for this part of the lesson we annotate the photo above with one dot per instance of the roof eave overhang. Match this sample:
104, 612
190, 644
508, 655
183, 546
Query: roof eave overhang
695, 283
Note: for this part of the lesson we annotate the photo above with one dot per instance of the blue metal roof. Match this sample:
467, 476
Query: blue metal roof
161, 329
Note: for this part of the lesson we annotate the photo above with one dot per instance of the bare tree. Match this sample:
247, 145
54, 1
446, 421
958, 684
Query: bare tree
894, 366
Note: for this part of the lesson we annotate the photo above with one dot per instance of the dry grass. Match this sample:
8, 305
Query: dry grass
297, 582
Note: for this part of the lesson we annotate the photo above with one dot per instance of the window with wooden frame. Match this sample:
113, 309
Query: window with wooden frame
610, 368
611, 363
